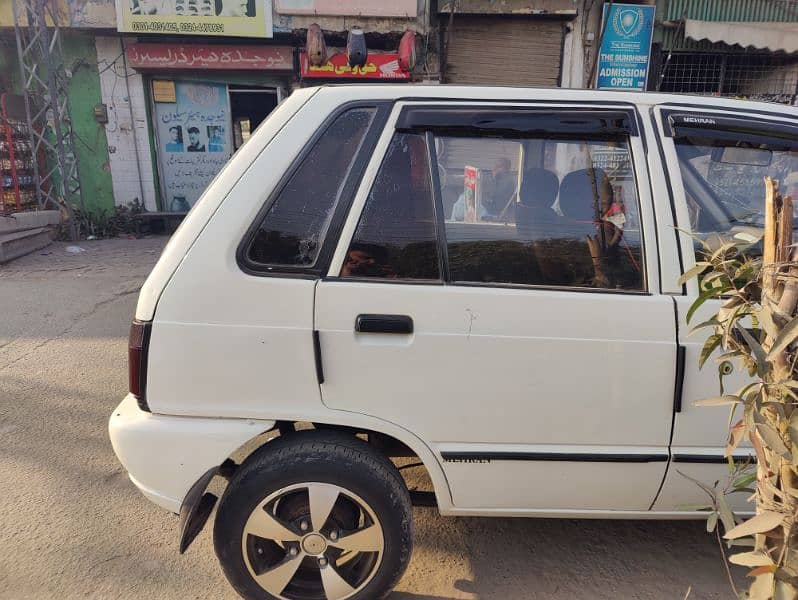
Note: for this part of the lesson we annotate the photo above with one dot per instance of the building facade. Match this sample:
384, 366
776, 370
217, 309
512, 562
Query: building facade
163, 92
736, 48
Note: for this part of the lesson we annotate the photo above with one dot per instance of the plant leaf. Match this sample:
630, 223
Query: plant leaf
699, 268
764, 521
719, 401
756, 350
726, 515
744, 480
751, 559
771, 568
786, 337
712, 342
772, 438
712, 522
703, 297
713, 322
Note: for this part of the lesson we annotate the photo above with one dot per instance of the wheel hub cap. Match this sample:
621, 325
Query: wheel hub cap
346, 556
314, 544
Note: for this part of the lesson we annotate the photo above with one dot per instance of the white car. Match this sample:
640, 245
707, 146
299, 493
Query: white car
481, 278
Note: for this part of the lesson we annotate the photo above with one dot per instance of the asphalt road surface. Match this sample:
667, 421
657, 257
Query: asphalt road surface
73, 526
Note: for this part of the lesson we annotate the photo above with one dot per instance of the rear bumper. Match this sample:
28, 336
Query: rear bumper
164, 455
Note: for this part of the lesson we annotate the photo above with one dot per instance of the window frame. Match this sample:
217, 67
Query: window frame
437, 218
349, 188
397, 124
669, 119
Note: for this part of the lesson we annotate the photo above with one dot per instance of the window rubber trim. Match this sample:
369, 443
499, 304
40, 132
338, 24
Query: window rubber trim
658, 140
440, 218
340, 208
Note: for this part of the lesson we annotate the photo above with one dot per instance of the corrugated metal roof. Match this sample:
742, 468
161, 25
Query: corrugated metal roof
782, 11
728, 10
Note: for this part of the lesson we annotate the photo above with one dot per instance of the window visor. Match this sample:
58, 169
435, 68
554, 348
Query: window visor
560, 123
773, 134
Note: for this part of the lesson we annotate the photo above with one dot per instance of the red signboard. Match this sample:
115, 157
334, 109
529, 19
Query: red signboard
215, 57
383, 67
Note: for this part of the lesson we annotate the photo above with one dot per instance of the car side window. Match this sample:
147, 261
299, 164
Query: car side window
293, 229
395, 237
548, 212
723, 180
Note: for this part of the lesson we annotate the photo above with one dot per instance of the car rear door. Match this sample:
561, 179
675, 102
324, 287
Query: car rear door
531, 350
722, 199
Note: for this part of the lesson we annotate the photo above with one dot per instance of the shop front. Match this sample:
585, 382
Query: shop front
205, 101
514, 42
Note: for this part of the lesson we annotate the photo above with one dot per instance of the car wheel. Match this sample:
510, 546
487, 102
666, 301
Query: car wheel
314, 516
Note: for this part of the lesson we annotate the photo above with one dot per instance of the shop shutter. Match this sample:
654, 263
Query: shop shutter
505, 51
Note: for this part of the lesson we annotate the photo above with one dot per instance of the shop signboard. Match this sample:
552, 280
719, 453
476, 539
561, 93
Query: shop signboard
625, 47
212, 57
242, 18
193, 141
383, 67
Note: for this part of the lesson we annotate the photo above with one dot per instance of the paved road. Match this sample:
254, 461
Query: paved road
73, 526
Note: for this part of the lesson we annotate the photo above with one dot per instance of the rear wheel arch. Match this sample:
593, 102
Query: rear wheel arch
198, 504
386, 443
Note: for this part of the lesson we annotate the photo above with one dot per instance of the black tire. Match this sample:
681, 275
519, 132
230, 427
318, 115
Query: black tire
323, 457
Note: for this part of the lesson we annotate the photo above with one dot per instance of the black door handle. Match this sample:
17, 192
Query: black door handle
401, 324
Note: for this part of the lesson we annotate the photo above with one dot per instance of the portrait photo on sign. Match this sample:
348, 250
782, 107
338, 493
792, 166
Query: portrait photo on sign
216, 141
175, 142
195, 8
195, 143
152, 7
235, 8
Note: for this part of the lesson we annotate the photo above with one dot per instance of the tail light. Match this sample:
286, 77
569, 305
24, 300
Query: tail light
138, 344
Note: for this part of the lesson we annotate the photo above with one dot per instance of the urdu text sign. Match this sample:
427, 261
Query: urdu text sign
625, 49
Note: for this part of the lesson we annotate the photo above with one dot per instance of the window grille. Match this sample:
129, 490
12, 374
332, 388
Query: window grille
767, 77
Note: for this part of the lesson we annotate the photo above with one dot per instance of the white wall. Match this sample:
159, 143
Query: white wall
573, 55
126, 130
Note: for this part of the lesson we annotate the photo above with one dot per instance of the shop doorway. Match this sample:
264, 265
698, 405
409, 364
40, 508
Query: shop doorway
248, 107
198, 126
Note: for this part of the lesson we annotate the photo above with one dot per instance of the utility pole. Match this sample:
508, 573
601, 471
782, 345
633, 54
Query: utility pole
45, 81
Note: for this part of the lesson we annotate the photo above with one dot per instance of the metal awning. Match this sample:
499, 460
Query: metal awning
776, 37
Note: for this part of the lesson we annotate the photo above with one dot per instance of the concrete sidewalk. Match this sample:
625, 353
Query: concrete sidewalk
73, 526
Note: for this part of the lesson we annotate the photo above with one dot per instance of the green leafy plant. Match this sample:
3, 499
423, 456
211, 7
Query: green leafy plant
121, 220
757, 326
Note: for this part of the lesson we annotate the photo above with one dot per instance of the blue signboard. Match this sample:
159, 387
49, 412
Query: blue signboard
625, 48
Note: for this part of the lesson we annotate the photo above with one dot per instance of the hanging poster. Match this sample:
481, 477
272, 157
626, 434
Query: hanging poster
625, 47
193, 141
242, 18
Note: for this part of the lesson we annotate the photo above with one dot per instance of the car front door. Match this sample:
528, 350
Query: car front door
718, 196
516, 329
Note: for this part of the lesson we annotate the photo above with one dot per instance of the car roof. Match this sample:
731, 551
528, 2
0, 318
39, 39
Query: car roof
498, 93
